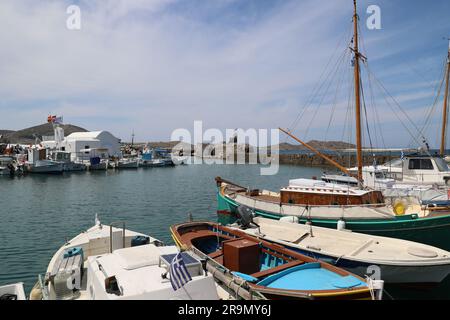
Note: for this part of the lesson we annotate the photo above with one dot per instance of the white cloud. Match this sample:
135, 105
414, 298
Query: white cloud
146, 66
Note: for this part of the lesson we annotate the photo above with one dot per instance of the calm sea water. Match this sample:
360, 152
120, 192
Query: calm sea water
39, 212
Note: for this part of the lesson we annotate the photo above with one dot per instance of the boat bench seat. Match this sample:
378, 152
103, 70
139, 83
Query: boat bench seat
265, 273
215, 254
67, 264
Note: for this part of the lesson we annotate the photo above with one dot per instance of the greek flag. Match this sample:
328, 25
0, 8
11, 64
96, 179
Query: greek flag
179, 275
402, 155
58, 120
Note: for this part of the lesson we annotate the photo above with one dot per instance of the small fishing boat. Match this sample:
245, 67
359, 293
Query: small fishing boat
65, 158
97, 164
399, 261
7, 166
127, 163
38, 162
151, 158
45, 166
94, 158
267, 268
111, 263
156, 163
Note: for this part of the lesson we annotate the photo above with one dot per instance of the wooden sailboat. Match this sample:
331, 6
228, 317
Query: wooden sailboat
325, 204
269, 269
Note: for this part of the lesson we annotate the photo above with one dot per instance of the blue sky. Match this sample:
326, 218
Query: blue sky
156, 65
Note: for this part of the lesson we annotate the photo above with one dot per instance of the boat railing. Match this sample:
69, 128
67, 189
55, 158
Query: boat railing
43, 288
364, 205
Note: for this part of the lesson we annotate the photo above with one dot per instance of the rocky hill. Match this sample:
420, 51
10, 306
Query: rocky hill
320, 145
26, 136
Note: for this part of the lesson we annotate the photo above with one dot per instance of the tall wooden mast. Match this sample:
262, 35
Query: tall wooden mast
357, 93
445, 107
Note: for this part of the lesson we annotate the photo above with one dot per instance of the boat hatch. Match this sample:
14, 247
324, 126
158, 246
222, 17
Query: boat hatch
422, 252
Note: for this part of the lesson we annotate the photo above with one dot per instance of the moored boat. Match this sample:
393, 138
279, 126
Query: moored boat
127, 163
7, 166
399, 261
45, 166
65, 158
38, 162
269, 269
111, 263
97, 164
430, 227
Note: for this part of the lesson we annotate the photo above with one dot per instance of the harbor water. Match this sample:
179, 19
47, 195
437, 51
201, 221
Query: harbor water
40, 212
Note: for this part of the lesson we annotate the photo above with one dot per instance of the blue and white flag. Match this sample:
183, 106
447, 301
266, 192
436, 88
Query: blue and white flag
179, 274
402, 156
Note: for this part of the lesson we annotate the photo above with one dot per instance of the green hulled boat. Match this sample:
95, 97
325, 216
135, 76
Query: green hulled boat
428, 227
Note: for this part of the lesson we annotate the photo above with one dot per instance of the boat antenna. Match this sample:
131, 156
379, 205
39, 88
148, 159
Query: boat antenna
309, 221
445, 105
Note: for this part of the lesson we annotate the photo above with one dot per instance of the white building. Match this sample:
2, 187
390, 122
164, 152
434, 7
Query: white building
78, 141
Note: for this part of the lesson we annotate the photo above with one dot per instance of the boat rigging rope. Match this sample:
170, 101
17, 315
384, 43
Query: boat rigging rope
372, 99
380, 84
438, 89
338, 87
370, 285
335, 71
319, 84
375, 112
365, 115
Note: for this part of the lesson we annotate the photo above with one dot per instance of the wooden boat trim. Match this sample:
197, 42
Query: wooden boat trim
224, 193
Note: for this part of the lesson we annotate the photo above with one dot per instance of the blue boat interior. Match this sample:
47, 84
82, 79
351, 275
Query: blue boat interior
309, 276
289, 274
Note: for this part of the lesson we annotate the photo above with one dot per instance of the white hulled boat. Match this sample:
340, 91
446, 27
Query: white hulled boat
127, 163
38, 162
110, 263
399, 261
7, 166
65, 158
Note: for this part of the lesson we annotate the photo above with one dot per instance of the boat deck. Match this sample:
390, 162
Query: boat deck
266, 197
378, 250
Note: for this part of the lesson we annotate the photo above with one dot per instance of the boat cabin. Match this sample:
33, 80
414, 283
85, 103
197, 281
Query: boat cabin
315, 192
61, 156
414, 168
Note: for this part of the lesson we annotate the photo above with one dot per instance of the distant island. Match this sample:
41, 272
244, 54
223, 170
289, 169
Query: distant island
27, 136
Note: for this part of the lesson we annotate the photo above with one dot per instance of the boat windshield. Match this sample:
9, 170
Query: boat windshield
441, 164
398, 163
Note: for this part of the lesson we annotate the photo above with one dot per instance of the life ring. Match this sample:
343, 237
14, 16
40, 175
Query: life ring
400, 207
